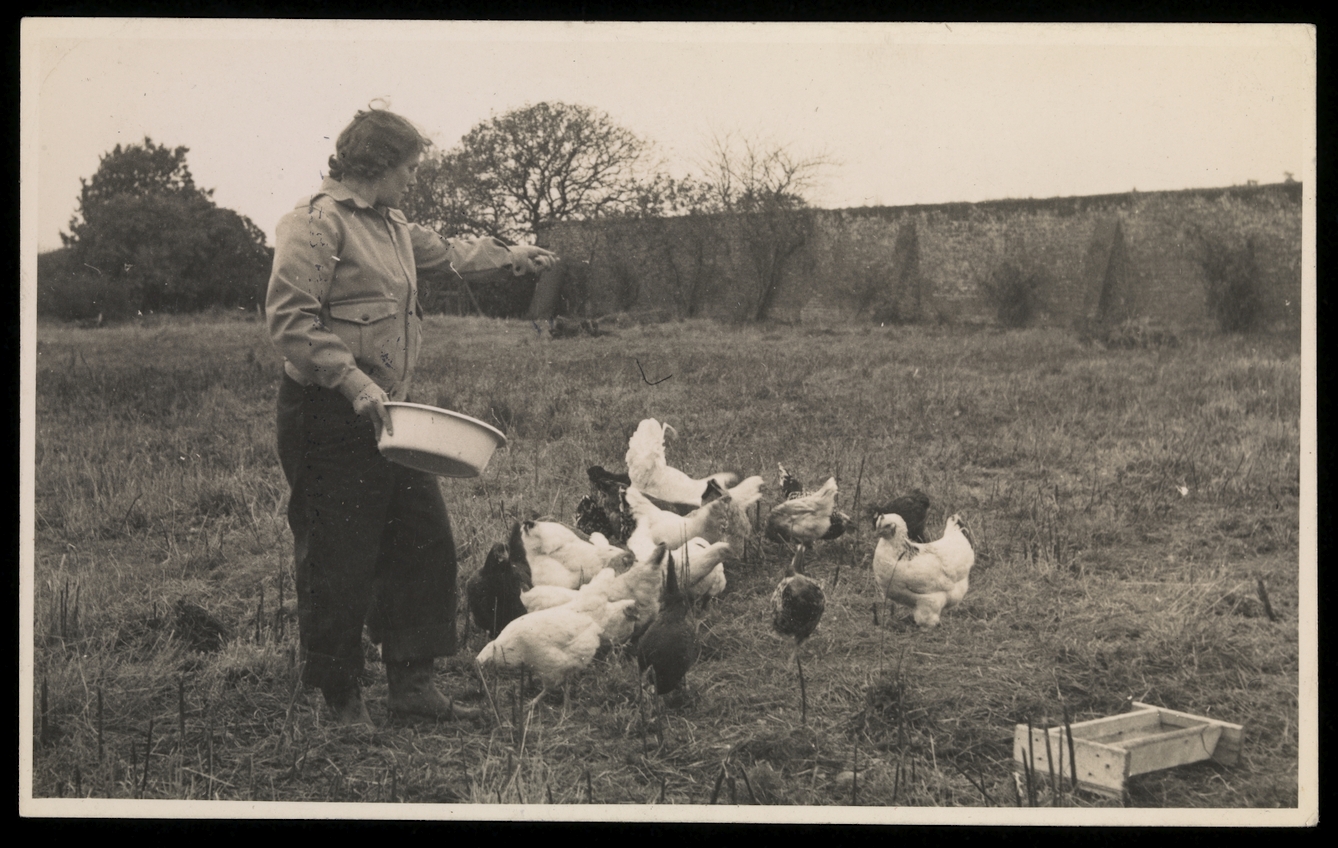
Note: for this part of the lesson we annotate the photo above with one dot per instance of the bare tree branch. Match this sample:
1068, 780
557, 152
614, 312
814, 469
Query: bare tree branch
764, 185
515, 173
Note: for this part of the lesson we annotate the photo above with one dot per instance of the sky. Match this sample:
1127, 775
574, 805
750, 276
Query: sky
906, 114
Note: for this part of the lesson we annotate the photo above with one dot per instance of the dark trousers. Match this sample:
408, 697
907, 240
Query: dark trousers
372, 538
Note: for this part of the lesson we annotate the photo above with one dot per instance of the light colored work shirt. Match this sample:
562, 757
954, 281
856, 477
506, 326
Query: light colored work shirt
342, 305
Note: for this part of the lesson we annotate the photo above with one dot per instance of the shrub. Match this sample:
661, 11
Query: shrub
69, 291
896, 312
1015, 294
145, 238
1231, 282
626, 287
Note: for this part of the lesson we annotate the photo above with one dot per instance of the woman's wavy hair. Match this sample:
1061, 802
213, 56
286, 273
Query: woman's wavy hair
374, 142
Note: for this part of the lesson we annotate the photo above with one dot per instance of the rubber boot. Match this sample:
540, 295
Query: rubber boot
346, 707
414, 695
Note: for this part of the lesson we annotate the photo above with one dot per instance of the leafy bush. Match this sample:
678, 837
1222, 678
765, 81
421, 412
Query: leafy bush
69, 291
1015, 294
1231, 281
145, 238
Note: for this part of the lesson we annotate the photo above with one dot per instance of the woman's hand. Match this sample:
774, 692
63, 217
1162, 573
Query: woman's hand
530, 259
371, 402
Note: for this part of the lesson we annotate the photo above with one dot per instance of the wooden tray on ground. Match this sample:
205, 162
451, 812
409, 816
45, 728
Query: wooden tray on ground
1108, 751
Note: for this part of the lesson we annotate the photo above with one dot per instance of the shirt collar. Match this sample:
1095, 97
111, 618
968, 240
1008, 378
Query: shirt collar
341, 193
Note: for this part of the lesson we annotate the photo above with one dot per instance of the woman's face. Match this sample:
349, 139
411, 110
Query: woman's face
395, 183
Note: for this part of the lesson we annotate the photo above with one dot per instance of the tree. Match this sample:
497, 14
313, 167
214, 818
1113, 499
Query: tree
514, 173
136, 170
683, 224
443, 198
764, 186
145, 238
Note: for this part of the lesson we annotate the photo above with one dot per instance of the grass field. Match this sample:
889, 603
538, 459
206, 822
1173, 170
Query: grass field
1135, 513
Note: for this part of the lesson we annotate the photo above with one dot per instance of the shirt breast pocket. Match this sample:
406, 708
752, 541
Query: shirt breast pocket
367, 326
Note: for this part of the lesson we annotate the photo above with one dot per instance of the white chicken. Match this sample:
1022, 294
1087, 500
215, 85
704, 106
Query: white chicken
559, 556
547, 597
704, 561
743, 497
655, 526
544, 597
554, 643
651, 474
929, 577
617, 618
642, 583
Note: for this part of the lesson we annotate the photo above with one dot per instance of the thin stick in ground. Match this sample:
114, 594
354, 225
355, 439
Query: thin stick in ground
1073, 758
488, 693
803, 690
1031, 758
1050, 764
748, 784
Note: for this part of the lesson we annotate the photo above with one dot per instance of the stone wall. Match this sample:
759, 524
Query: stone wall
1106, 258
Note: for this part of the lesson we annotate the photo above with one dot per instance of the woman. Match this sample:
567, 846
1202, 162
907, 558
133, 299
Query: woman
372, 538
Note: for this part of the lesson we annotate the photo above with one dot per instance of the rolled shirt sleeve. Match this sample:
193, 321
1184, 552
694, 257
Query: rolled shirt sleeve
466, 256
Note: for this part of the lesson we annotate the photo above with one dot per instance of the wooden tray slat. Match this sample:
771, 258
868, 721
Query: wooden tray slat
1108, 751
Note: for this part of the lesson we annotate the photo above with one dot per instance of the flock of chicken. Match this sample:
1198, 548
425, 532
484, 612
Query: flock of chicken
648, 549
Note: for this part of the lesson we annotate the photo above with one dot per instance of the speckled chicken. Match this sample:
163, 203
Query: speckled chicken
797, 606
592, 517
494, 592
807, 518
930, 577
607, 511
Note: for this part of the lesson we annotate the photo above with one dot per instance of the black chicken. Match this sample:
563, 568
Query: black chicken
607, 481
591, 517
494, 592
669, 645
515, 552
912, 507
791, 487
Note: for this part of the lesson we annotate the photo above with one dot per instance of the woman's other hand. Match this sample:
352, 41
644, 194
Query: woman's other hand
531, 259
371, 402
